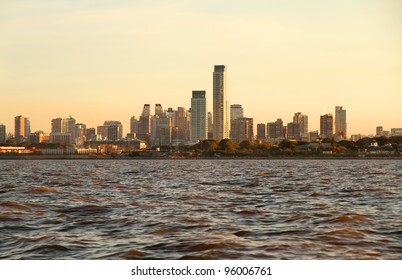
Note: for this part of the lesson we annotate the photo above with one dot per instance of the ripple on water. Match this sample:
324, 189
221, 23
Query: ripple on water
200, 209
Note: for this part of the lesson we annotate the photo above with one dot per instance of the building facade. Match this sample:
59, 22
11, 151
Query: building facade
261, 131
302, 120
220, 104
340, 123
242, 129
326, 126
3, 134
199, 116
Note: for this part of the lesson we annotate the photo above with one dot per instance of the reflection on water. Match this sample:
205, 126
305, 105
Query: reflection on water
201, 209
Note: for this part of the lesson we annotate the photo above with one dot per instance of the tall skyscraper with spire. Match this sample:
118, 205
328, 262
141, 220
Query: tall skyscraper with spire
220, 104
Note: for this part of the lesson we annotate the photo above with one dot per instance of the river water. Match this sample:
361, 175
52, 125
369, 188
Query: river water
200, 209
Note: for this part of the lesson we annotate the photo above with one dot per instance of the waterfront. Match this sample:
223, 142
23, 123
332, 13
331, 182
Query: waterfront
201, 209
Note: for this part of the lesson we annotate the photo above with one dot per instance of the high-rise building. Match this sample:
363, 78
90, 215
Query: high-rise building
19, 129
261, 131
37, 137
146, 111
56, 125
91, 134
302, 120
112, 130
379, 131
236, 112
293, 131
220, 104
242, 129
210, 126
313, 136
3, 134
326, 126
134, 125
80, 133
199, 117
181, 125
275, 131
27, 128
340, 123
158, 109
161, 130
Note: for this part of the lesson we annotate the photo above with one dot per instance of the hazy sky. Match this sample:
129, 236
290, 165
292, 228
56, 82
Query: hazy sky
102, 60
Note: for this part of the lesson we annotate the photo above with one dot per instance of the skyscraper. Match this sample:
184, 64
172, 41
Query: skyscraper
236, 111
181, 125
302, 120
199, 117
340, 123
220, 104
134, 125
19, 129
242, 129
326, 126
261, 131
158, 109
2, 134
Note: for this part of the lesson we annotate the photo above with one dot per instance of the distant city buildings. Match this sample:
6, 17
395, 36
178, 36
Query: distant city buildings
340, 123
180, 127
275, 131
326, 126
301, 120
242, 129
3, 134
134, 123
220, 104
22, 129
396, 131
261, 132
200, 121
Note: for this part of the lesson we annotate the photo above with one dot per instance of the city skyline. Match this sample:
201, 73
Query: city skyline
61, 58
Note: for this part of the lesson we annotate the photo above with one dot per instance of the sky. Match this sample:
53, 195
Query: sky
102, 60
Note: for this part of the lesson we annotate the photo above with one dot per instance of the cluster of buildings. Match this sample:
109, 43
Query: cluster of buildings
182, 127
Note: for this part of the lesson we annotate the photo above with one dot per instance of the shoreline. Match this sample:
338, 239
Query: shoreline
108, 157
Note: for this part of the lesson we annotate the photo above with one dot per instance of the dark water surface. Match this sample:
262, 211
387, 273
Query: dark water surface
202, 209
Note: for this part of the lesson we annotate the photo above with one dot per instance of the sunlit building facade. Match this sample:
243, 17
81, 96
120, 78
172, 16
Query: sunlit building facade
220, 104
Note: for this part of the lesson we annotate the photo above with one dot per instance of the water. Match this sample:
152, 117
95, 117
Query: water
200, 209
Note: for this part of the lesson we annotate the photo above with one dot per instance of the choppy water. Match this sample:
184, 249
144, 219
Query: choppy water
202, 209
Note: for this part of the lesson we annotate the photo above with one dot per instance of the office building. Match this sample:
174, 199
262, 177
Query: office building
181, 125
275, 131
199, 116
293, 131
326, 126
91, 134
302, 120
3, 134
340, 123
220, 104
22, 129
161, 130
134, 125
379, 131
236, 111
261, 131
242, 129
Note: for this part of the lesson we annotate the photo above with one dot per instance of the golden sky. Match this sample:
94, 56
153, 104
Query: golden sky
102, 60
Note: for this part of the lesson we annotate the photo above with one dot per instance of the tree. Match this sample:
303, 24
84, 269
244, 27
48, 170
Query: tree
227, 145
209, 145
245, 144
